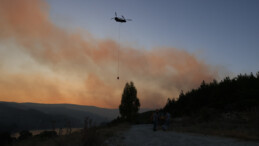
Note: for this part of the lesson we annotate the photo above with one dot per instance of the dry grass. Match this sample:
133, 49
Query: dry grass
242, 125
73, 139
109, 131
245, 131
94, 136
113, 135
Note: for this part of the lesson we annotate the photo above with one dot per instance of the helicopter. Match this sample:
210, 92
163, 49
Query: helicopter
120, 19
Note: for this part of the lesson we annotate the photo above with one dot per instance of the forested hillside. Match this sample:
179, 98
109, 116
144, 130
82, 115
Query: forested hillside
239, 94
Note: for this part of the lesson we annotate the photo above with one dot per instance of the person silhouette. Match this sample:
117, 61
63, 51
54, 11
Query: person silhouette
155, 120
167, 121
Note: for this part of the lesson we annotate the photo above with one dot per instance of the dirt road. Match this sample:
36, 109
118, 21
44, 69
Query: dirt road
142, 135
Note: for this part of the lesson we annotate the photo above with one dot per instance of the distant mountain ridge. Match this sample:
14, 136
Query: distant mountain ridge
107, 114
18, 116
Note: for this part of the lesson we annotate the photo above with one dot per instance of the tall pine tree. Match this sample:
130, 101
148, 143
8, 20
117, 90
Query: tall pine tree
129, 102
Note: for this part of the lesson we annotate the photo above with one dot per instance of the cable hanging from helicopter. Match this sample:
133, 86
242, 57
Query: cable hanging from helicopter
121, 19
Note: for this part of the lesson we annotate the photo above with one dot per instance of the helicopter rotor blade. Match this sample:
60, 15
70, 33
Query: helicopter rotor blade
115, 14
122, 16
129, 19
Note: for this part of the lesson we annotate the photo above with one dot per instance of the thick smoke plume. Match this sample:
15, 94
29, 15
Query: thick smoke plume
76, 68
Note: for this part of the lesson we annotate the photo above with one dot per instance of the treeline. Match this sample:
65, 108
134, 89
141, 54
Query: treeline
229, 95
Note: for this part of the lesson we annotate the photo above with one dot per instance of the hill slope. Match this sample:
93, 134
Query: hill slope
18, 116
230, 95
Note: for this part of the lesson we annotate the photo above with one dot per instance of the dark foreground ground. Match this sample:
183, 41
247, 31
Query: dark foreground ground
142, 135
125, 134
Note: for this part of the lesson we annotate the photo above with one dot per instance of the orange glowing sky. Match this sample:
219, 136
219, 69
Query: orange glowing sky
44, 63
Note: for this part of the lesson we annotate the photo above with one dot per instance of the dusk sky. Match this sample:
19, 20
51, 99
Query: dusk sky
66, 51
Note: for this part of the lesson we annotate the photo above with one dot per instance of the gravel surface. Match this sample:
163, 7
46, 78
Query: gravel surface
143, 135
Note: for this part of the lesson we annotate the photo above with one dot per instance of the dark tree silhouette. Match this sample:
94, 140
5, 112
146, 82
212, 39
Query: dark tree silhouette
129, 102
229, 95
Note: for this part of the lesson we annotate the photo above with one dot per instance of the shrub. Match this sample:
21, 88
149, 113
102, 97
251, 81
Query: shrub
5, 138
25, 134
47, 134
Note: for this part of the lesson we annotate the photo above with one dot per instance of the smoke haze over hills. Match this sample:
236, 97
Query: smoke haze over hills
44, 63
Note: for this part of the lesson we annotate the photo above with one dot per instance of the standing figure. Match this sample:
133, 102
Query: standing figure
155, 120
167, 121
